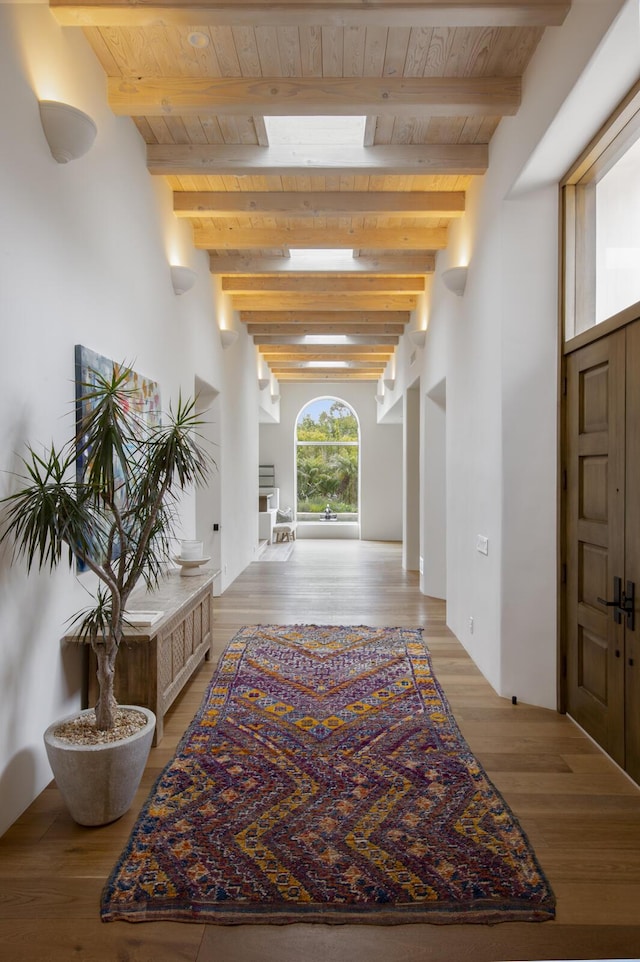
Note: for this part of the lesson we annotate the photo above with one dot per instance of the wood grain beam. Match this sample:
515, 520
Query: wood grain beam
287, 361
320, 317
328, 374
374, 352
237, 203
283, 366
351, 334
297, 333
304, 161
324, 302
382, 238
314, 96
320, 285
335, 13
329, 264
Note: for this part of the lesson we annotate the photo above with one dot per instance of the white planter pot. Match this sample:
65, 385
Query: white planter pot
98, 782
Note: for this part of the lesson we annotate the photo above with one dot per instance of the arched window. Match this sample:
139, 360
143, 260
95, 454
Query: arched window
327, 460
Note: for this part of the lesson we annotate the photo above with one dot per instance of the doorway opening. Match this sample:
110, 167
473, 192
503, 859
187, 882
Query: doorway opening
327, 447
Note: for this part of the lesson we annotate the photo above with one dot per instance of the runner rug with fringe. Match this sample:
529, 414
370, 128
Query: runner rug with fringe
324, 779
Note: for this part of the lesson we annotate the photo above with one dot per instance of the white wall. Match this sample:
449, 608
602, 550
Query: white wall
84, 253
433, 451
497, 349
239, 520
411, 523
380, 454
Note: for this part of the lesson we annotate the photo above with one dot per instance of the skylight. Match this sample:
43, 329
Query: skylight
335, 364
326, 339
329, 131
317, 253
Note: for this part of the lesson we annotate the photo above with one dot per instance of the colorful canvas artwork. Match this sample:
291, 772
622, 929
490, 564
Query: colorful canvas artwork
147, 392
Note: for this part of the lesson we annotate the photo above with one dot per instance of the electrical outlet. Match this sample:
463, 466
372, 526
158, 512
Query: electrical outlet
421, 565
471, 624
482, 544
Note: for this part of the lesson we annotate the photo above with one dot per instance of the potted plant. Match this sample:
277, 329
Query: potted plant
114, 514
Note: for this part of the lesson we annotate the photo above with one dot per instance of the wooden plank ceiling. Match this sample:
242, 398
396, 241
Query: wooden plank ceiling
365, 220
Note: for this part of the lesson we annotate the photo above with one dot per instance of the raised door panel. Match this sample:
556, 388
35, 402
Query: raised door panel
595, 539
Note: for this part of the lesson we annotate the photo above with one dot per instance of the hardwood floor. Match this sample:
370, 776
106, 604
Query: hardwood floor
581, 813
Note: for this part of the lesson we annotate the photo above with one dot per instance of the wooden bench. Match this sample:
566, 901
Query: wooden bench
284, 531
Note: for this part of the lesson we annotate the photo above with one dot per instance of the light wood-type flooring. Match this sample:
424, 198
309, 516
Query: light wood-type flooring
581, 813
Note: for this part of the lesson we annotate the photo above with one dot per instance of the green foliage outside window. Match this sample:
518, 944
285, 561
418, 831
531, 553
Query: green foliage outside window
328, 472
337, 424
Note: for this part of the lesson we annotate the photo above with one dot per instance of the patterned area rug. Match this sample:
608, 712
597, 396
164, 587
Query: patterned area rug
325, 780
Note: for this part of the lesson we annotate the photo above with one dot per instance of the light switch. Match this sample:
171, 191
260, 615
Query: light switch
482, 544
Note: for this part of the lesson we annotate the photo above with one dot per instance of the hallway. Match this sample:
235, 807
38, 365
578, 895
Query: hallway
581, 814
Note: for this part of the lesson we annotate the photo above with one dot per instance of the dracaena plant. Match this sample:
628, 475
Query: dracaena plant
116, 515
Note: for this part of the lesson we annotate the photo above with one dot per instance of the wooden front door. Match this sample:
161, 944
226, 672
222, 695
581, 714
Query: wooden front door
603, 541
632, 550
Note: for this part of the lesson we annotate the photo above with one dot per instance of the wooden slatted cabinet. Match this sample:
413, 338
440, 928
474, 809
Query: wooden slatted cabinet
156, 661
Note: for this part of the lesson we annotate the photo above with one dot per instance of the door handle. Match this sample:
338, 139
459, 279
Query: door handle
623, 604
629, 605
616, 604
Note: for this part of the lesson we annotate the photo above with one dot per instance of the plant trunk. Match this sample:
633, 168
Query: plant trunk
106, 704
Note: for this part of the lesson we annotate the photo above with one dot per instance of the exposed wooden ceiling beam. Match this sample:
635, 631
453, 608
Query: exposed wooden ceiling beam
235, 203
328, 374
355, 334
309, 351
382, 238
314, 96
296, 161
328, 264
312, 317
336, 13
287, 361
326, 301
284, 366
312, 285
271, 342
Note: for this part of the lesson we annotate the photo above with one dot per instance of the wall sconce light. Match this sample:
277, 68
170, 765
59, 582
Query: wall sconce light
274, 398
182, 278
69, 132
389, 382
419, 336
228, 337
379, 398
455, 280
264, 382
